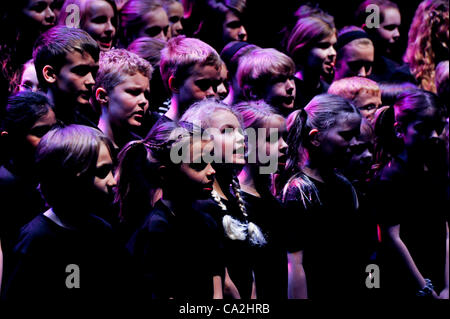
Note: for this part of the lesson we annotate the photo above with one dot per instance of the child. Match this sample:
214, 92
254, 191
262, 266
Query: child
413, 187
355, 53
175, 14
71, 249
28, 79
143, 18
28, 117
323, 223
190, 69
362, 92
266, 148
173, 230
122, 90
226, 205
268, 74
99, 18
310, 45
66, 61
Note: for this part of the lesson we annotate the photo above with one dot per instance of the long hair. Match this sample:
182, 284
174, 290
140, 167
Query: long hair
428, 42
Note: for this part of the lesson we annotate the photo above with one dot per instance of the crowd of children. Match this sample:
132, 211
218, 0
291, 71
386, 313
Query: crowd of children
150, 149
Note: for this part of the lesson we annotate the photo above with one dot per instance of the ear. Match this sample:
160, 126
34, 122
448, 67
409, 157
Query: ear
101, 96
314, 137
162, 172
249, 93
173, 84
49, 74
398, 130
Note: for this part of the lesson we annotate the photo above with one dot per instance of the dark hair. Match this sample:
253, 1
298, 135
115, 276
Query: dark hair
64, 157
320, 113
361, 14
409, 105
22, 112
52, 47
391, 91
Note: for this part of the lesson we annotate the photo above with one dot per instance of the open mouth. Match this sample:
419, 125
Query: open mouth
138, 116
105, 43
288, 100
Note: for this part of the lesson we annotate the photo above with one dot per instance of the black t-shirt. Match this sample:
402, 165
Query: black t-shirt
324, 226
178, 254
45, 250
418, 202
305, 93
270, 261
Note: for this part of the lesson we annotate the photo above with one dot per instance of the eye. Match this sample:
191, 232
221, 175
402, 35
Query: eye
204, 84
103, 171
100, 19
134, 92
39, 7
198, 166
390, 27
368, 107
234, 24
153, 31
347, 135
174, 19
323, 45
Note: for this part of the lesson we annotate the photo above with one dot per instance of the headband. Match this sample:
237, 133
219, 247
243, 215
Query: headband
348, 37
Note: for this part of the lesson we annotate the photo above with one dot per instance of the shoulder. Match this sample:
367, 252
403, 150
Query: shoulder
35, 232
158, 220
301, 188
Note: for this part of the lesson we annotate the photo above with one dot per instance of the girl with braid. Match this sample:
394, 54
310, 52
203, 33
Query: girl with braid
227, 205
265, 156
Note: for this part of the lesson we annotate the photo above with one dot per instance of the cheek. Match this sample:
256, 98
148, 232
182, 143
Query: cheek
94, 30
34, 16
32, 140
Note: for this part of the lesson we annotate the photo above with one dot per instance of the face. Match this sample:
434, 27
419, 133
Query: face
40, 128
41, 13
175, 13
222, 89
422, 133
357, 60
281, 92
368, 103
198, 176
362, 156
99, 23
388, 31
228, 137
77, 77
334, 143
322, 57
128, 101
104, 180
233, 29
201, 84
274, 144
29, 80
156, 25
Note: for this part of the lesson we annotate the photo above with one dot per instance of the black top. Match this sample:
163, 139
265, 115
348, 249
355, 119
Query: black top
417, 201
325, 229
45, 250
386, 70
305, 92
178, 254
270, 261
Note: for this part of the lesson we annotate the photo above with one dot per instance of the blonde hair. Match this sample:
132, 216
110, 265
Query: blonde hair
351, 88
181, 54
259, 66
115, 64
428, 33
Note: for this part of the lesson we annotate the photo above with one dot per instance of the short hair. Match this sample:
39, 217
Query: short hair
361, 14
232, 53
255, 114
259, 66
23, 110
351, 88
391, 91
181, 54
148, 49
115, 64
65, 156
52, 47
313, 25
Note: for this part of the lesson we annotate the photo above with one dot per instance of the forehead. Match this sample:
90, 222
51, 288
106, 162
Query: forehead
355, 51
175, 9
97, 7
157, 17
29, 72
230, 16
30, 2
104, 156
136, 79
329, 39
391, 16
76, 58
367, 97
223, 118
276, 121
205, 71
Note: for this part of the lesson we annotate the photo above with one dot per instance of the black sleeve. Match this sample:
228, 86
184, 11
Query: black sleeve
295, 220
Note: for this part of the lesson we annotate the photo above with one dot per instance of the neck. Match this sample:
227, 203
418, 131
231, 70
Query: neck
107, 128
63, 111
247, 178
174, 111
317, 171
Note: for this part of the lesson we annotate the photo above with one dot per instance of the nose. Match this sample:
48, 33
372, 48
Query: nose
110, 29
162, 36
367, 157
50, 16
221, 89
143, 101
210, 172
331, 52
434, 134
111, 180
239, 137
362, 72
282, 146
242, 33
211, 92
89, 80
290, 85
178, 27
396, 34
